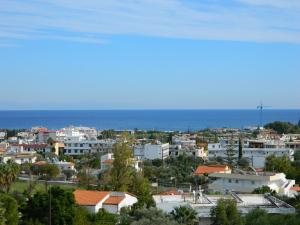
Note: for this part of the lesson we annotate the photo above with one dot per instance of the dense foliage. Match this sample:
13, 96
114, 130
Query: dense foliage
8, 174
226, 213
284, 127
58, 205
149, 216
9, 210
173, 171
184, 215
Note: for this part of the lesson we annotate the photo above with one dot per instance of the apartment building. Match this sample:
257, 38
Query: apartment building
154, 150
256, 151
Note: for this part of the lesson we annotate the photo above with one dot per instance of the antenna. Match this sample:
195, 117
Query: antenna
261, 107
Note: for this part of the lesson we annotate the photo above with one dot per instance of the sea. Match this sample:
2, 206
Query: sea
163, 120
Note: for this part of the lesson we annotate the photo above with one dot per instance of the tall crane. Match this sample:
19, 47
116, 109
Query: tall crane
261, 107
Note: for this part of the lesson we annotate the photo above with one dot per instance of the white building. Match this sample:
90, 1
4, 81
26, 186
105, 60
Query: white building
203, 204
184, 141
80, 146
155, 150
247, 182
62, 165
71, 132
256, 151
20, 148
2, 135
108, 159
176, 150
19, 158
112, 202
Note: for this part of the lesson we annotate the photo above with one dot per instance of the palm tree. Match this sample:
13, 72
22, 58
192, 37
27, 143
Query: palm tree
184, 215
8, 174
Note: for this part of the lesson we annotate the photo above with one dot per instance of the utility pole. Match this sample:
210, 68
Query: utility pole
261, 107
50, 222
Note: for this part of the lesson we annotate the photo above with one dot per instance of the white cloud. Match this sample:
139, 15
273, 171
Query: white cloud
94, 21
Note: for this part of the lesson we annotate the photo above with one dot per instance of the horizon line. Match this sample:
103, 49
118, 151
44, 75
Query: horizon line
147, 109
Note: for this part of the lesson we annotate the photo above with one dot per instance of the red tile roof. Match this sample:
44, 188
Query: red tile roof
295, 189
31, 145
114, 200
170, 192
84, 197
108, 161
211, 169
40, 163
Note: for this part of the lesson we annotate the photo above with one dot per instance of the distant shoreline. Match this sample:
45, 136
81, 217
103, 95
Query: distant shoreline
161, 120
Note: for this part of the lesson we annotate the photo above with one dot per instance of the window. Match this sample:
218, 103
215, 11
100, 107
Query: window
75, 150
69, 151
229, 181
253, 182
236, 181
81, 151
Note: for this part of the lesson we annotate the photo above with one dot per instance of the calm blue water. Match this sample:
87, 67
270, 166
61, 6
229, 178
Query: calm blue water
144, 119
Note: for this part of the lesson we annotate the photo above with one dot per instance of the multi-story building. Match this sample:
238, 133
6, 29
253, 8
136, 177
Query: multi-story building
38, 148
155, 150
256, 151
81, 146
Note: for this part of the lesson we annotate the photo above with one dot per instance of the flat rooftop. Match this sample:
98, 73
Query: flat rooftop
203, 204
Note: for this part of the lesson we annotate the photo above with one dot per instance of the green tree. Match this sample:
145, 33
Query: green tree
283, 127
230, 152
85, 178
240, 148
278, 164
121, 172
243, 162
10, 205
257, 217
226, 213
263, 190
58, 204
81, 216
103, 218
46, 172
2, 212
142, 189
8, 174
184, 215
149, 216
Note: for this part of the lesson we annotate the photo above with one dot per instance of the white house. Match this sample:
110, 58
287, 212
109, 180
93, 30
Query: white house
19, 158
62, 165
106, 162
118, 200
247, 182
109, 201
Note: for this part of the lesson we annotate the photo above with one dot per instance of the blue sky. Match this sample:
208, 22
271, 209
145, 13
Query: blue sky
149, 54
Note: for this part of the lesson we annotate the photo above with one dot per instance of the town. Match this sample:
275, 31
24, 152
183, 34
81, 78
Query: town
81, 175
